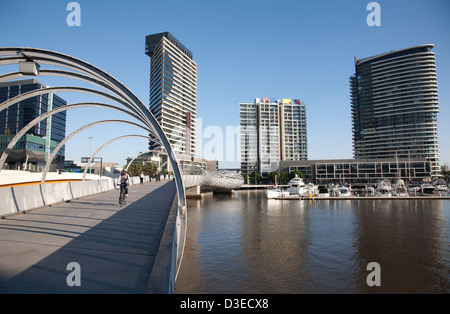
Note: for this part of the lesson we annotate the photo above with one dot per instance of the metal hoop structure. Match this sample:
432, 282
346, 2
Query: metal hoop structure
103, 146
83, 71
134, 158
61, 144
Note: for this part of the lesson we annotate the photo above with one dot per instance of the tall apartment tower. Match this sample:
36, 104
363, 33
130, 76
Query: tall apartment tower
272, 131
173, 91
394, 100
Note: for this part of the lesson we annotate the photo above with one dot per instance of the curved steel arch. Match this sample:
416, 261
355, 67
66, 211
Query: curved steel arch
64, 141
134, 158
38, 92
62, 60
107, 143
66, 74
44, 116
125, 98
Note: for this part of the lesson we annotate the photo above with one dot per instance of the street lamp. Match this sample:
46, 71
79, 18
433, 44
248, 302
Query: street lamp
90, 145
90, 149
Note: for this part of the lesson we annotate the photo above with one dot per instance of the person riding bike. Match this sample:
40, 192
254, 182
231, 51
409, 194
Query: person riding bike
123, 181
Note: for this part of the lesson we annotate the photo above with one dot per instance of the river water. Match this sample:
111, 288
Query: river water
245, 243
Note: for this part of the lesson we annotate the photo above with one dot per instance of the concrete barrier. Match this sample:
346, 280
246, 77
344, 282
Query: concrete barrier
57, 193
28, 197
22, 198
7, 202
78, 189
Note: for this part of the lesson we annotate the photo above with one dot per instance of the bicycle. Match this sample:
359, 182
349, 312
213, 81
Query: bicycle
123, 194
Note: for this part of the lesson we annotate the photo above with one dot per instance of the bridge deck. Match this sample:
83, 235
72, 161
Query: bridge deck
115, 246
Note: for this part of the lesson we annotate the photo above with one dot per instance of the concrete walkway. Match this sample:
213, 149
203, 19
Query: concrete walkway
115, 246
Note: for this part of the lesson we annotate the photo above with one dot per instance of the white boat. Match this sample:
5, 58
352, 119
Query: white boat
276, 192
333, 189
427, 189
384, 189
440, 186
323, 191
370, 191
344, 191
400, 188
311, 190
297, 186
413, 189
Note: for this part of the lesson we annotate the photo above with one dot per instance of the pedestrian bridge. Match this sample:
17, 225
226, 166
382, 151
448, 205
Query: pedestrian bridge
133, 249
129, 249
17, 196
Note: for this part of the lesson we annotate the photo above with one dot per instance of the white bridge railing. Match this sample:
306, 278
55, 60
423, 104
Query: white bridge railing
16, 199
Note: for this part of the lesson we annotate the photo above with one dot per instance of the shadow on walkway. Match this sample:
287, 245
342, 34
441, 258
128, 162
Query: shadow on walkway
114, 246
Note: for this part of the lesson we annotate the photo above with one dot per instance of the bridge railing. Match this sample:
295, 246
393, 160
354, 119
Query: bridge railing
17, 199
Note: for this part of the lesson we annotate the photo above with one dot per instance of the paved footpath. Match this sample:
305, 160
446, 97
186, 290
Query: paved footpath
114, 246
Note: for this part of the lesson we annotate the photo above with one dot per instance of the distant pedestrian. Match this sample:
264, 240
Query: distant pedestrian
141, 177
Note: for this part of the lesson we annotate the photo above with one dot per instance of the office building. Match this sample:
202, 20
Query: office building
173, 91
33, 149
272, 130
394, 100
361, 170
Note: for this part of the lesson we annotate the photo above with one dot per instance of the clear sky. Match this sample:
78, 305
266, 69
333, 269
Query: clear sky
244, 49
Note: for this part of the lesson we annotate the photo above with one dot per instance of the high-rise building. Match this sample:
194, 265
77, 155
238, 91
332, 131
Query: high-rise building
394, 101
272, 131
173, 91
38, 143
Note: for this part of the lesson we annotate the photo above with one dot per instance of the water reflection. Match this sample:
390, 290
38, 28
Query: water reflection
408, 239
248, 244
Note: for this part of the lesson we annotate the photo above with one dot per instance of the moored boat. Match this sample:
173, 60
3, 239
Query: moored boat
440, 186
400, 188
297, 186
384, 189
276, 191
427, 189
323, 191
344, 191
370, 191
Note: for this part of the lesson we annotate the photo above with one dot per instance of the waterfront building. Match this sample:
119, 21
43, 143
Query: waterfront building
33, 149
361, 170
394, 101
173, 91
272, 131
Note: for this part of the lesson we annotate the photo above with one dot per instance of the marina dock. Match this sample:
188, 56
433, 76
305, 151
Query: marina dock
360, 198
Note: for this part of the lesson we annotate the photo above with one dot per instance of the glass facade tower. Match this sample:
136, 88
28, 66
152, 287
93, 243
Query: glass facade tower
39, 142
394, 101
173, 91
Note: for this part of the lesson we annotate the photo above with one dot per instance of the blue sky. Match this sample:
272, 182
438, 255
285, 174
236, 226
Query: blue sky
243, 49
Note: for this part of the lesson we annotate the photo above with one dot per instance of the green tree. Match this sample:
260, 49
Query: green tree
132, 170
245, 176
273, 176
255, 177
284, 178
296, 172
445, 171
149, 168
